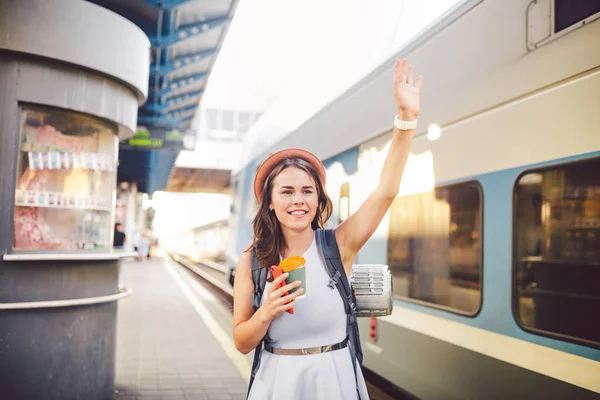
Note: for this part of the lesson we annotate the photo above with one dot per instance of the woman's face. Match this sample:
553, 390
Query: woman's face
294, 198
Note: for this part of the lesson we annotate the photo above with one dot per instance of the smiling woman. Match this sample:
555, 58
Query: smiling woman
293, 198
293, 209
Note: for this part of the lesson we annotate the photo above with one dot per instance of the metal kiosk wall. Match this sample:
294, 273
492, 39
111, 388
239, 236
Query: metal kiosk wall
72, 76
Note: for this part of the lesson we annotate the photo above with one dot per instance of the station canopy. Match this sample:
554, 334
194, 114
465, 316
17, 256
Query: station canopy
185, 38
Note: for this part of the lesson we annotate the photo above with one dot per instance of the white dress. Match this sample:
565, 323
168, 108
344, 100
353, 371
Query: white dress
319, 319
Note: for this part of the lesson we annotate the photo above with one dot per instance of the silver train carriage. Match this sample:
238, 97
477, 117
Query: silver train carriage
494, 239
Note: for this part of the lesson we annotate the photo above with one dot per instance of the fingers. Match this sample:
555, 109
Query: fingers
277, 281
281, 291
287, 299
399, 72
292, 296
419, 82
287, 306
404, 72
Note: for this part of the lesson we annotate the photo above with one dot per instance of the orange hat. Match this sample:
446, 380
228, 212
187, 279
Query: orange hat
266, 167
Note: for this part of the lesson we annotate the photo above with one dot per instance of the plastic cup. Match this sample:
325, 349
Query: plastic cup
294, 266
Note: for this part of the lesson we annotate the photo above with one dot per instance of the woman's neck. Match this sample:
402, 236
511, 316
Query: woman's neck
297, 241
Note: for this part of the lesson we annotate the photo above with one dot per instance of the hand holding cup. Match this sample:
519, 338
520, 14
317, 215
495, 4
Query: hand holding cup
278, 298
295, 268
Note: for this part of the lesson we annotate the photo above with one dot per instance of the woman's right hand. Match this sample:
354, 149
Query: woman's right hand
276, 303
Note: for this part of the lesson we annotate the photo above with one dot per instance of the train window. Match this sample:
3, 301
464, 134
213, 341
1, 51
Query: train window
571, 12
550, 19
434, 247
344, 206
557, 250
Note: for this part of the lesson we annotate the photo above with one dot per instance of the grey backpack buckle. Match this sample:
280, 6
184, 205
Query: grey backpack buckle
334, 280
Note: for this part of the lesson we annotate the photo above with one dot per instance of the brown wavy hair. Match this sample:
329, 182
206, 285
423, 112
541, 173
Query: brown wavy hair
268, 237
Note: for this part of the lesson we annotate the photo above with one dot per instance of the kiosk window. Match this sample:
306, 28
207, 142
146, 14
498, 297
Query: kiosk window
557, 250
66, 181
434, 247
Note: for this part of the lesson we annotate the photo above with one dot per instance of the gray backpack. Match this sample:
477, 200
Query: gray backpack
331, 256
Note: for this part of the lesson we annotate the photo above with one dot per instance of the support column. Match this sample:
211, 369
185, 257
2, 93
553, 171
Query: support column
72, 76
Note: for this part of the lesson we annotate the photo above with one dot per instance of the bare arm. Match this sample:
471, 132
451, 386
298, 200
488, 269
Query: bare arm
353, 233
250, 327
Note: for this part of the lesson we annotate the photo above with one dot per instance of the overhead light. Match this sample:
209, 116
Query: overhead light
434, 132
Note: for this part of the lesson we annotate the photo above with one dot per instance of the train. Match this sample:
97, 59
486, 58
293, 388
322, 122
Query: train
494, 238
202, 243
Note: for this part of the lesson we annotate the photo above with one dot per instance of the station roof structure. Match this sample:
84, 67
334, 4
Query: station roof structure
185, 37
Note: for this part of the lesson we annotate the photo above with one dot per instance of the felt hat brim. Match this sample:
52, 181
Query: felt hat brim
275, 158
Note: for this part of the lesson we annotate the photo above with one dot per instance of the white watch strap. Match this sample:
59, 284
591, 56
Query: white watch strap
404, 125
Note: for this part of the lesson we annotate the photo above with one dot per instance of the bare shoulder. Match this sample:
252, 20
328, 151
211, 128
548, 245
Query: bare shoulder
244, 267
246, 257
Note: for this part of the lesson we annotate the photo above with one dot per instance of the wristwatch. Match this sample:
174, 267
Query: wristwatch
404, 125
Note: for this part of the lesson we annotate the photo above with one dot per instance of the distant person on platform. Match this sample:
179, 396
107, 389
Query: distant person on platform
136, 241
119, 238
144, 246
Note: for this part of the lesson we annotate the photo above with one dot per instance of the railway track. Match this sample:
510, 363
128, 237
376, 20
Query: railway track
215, 279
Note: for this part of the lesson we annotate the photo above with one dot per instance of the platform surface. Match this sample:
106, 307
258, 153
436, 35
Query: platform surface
165, 348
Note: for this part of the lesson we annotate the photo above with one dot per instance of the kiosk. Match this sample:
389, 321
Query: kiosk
72, 76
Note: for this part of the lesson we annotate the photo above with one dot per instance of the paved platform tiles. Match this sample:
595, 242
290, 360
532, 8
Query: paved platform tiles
164, 348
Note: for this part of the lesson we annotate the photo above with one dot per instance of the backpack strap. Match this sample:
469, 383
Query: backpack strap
330, 253
259, 277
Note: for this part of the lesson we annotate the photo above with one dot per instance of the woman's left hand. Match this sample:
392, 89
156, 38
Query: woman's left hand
406, 94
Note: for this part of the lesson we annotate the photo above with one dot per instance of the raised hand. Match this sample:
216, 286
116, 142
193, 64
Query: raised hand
406, 94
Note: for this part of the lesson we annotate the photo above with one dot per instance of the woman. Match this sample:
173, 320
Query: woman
289, 186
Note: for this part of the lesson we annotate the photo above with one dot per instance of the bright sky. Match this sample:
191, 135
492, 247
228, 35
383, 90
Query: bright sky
290, 58
277, 47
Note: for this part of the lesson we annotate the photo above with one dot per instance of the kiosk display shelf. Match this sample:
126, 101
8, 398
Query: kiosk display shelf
66, 180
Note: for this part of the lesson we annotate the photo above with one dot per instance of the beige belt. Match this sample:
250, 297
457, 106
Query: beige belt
309, 350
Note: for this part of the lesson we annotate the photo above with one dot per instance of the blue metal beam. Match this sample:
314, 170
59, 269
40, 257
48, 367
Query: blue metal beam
183, 112
180, 62
155, 108
186, 121
188, 31
158, 122
180, 83
162, 107
178, 113
168, 21
173, 101
165, 28
166, 4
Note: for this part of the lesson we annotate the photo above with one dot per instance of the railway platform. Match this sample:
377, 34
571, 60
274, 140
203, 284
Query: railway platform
174, 338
